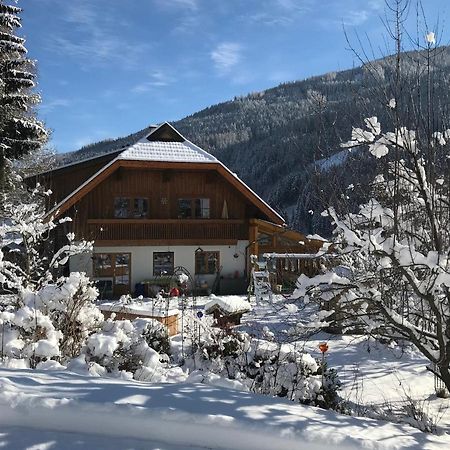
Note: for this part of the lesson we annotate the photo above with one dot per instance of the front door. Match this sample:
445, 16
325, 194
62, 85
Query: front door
112, 273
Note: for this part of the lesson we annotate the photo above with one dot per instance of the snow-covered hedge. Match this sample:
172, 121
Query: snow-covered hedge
130, 347
268, 368
52, 322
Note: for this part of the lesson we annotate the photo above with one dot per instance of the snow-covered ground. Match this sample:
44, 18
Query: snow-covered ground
373, 375
177, 415
64, 410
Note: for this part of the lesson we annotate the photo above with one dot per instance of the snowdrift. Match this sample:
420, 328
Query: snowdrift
188, 415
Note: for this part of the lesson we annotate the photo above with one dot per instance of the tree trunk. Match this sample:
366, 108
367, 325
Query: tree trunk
445, 375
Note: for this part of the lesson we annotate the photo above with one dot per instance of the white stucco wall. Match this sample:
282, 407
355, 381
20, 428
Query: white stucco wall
142, 259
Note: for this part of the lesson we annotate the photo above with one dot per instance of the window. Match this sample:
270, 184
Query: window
163, 263
140, 207
193, 208
206, 262
126, 207
202, 207
103, 265
184, 208
121, 207
122, 272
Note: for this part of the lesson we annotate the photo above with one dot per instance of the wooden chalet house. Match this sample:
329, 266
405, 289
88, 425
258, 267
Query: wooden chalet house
160, 203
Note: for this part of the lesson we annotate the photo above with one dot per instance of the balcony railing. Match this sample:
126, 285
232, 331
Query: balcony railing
167, 230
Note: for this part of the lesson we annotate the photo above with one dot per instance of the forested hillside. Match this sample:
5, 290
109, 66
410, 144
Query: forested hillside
285, 142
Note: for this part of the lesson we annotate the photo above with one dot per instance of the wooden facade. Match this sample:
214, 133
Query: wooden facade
110, 232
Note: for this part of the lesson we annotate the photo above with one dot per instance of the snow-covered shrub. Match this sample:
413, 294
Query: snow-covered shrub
268, 368
157, 337
220, 344
71, 307
123, 346
51, 322
418, 415
28, 334
330, 385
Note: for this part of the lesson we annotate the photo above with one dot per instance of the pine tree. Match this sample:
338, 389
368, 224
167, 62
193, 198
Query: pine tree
20, 131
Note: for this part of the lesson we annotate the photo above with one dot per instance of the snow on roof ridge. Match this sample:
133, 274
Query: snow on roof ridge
167, 151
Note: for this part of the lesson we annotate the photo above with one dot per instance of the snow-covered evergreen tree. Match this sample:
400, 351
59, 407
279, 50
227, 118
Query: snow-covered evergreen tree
20, 131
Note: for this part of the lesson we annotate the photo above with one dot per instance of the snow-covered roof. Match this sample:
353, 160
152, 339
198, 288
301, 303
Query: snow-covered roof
145, 150
186, 151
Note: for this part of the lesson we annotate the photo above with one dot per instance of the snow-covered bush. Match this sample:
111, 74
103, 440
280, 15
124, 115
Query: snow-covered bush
268, 368
71, 306
157, 337
125, 346
51, 322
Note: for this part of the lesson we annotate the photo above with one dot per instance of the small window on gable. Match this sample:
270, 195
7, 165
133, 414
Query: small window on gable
165, 133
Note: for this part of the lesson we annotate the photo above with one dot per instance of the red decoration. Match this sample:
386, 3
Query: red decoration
174, 292
323, 346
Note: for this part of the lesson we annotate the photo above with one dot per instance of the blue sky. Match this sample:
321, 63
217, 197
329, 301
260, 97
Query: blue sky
111, 67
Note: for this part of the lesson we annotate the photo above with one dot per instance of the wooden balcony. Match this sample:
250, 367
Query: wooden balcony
166, 231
